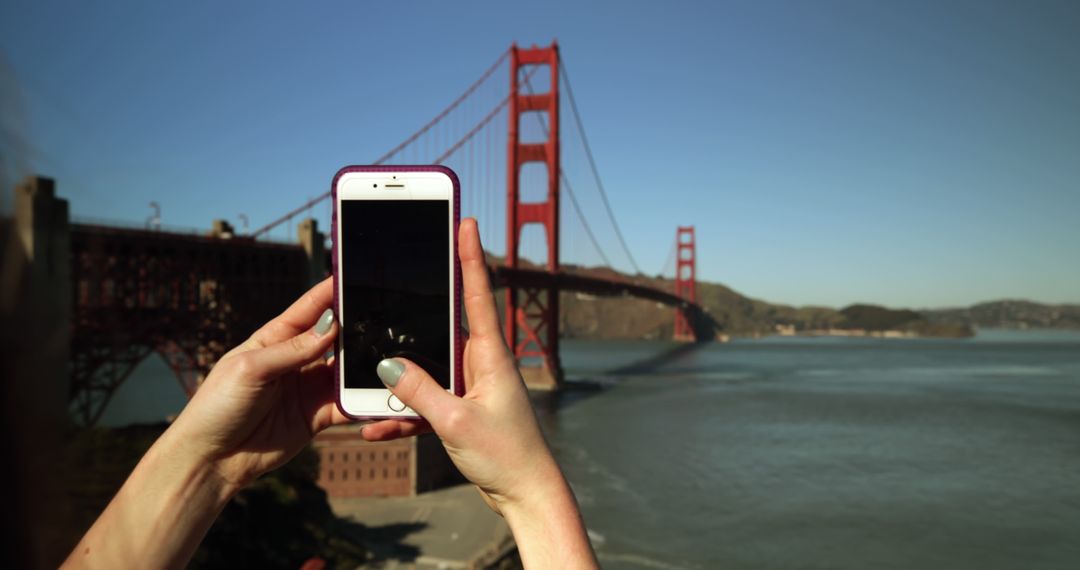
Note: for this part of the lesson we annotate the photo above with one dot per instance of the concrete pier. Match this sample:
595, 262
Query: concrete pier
314, 243
37, 278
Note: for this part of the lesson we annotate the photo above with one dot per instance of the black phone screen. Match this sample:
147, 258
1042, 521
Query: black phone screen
395, 263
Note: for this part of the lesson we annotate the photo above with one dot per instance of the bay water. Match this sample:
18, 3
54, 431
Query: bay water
825, 452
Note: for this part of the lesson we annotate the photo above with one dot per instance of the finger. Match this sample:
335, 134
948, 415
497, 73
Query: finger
318, 400
479, 300
394, 429
416, 389
296, 352
299, 317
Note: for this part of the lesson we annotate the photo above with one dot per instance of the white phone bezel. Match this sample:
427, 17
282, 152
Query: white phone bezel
375, 402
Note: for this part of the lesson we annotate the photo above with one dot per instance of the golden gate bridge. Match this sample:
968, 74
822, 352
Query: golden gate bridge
135, 291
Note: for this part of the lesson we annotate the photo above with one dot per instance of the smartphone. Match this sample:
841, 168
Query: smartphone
397, 281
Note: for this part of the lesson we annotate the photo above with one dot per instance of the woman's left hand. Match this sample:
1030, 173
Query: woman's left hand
265, 399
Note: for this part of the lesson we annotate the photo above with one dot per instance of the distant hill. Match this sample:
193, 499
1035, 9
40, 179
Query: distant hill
872, 318
588, 316
1009, 313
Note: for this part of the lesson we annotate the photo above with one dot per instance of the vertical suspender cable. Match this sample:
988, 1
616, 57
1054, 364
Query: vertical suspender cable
592, 164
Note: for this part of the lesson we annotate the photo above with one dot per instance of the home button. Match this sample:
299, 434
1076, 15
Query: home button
395, 404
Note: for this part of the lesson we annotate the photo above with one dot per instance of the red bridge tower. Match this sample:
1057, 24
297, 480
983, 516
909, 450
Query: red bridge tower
532, 314
685, 278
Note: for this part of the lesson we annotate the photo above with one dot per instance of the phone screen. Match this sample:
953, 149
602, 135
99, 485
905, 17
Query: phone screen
395, 264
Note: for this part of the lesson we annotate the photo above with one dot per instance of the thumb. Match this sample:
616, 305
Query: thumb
416, 388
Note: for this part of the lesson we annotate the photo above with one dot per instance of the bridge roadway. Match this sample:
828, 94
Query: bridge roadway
189, 297
702, 323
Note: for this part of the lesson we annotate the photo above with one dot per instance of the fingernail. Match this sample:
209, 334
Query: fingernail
325, 322
390, 371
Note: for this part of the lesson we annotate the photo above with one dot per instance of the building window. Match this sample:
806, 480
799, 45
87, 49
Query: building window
373, 456
372, 474
331, 457
385, 473
344, 474
385, 455
359, 456
359, 473
331, 474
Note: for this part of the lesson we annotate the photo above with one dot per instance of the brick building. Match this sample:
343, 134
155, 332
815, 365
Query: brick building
352, 467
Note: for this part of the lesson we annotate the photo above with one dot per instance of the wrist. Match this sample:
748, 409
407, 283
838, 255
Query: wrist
196, 473
543, 485
160, 514
547, 524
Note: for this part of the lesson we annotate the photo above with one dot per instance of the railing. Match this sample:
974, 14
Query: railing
129, 225
165, 229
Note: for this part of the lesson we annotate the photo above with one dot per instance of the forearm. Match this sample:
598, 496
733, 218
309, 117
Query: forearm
548, 527
159, 516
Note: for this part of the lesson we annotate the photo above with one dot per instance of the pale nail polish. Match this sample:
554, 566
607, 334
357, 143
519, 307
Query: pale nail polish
322, 326
390, 371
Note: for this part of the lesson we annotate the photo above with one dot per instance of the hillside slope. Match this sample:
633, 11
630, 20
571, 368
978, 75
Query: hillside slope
591, 317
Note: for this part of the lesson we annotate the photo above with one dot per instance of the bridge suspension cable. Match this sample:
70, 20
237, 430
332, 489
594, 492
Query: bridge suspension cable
581, 216
566, 184
669, 263
394, 151
592, 164
473, 132
479, 126
472, 88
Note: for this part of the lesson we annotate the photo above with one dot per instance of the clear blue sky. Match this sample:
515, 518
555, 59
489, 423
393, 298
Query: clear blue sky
912, 154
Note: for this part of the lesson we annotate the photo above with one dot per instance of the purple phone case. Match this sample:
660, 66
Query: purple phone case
459, 380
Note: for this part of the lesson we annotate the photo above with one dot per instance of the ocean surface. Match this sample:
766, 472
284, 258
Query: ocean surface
826, 452
807, 452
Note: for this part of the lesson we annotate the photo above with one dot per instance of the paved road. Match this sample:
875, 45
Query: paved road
449, 528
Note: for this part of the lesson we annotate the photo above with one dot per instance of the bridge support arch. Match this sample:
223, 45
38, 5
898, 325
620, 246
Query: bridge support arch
187, 297
532, 313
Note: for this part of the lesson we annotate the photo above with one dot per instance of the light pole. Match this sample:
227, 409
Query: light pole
154, 221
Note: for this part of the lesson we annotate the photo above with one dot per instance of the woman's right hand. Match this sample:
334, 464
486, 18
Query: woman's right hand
491, 433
